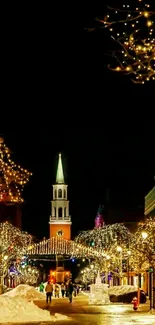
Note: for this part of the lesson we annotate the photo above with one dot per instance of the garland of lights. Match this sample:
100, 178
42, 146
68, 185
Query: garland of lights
112, 241
121, 250
27, 274
144, 245
13, 246
103, 237
136, 40
23, 273
12, 177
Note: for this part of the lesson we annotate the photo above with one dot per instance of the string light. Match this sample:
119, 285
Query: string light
143, 245
133, 30
27, 274
119, 249
103, 237
12, 177
13, 246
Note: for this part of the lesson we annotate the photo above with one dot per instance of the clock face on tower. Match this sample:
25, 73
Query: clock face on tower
59, 233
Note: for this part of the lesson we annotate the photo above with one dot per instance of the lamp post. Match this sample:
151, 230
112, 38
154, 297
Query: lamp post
152, 275
128, 270
119, 250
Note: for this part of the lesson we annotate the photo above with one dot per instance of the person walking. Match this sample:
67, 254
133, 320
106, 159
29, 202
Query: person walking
57, 290
62, 289
70, 291
41, 287
49, 292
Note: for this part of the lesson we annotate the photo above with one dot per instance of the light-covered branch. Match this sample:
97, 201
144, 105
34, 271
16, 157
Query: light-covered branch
134, 34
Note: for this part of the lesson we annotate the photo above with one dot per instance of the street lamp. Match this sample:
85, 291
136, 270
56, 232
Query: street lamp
144, 236
119, 250
128, 271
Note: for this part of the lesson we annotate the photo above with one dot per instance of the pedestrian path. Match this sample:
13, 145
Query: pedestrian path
80, 305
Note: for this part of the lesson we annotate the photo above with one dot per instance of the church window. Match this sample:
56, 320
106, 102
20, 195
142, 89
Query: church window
59, 233
60, 212
59, 193
54, 212
64, 212
55, 194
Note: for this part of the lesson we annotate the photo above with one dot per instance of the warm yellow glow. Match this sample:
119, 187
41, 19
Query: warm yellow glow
119, 249
13, 178
5, 257
118, 69
149, 23
146, 14
144, 234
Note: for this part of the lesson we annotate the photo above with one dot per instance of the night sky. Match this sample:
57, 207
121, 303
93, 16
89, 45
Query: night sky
57, 76
113, 166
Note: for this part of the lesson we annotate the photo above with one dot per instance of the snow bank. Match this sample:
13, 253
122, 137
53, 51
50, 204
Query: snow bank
25, 291
17, 306
121, 290
16, 309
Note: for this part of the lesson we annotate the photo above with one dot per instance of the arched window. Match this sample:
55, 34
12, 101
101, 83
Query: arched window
59, 193
60, 212
54, 212
59, 233
64, 193
64, 212
55, 194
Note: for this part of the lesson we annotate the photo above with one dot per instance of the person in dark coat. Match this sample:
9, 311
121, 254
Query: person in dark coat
70, 291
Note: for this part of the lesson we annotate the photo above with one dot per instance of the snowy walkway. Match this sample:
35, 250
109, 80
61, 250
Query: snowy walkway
81, 305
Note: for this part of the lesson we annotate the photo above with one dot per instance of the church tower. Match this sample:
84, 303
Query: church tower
60, 220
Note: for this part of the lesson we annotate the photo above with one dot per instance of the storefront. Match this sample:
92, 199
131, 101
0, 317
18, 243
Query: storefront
150, 203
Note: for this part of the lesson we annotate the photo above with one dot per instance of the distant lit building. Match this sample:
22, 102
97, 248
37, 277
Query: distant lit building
150, 203
60, 222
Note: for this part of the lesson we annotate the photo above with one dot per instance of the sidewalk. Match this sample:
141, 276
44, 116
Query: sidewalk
80, 305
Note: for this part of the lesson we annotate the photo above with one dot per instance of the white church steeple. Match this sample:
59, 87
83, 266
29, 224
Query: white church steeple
60, 220
60, 174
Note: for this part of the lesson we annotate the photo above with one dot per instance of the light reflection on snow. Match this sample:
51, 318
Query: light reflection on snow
116, 309
106, 319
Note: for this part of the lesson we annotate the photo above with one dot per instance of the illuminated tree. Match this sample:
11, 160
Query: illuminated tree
27, 274
119, 250
13, 246
88, 274
103, 238
132, 27
12, 177
112, 242
143, 245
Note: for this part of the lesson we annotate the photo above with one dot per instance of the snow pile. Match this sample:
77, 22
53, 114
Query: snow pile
18, 309
121, 290
25, 291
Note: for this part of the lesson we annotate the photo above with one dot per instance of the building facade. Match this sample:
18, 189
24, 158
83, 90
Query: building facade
60, 220
150, 203
149, 212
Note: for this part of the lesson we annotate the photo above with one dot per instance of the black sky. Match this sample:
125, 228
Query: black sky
54, 70
97, 161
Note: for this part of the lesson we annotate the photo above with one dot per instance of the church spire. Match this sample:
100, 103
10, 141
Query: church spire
60, 174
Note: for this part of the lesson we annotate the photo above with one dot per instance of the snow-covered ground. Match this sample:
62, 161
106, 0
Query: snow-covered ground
17, 306
25, 291
119, 319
